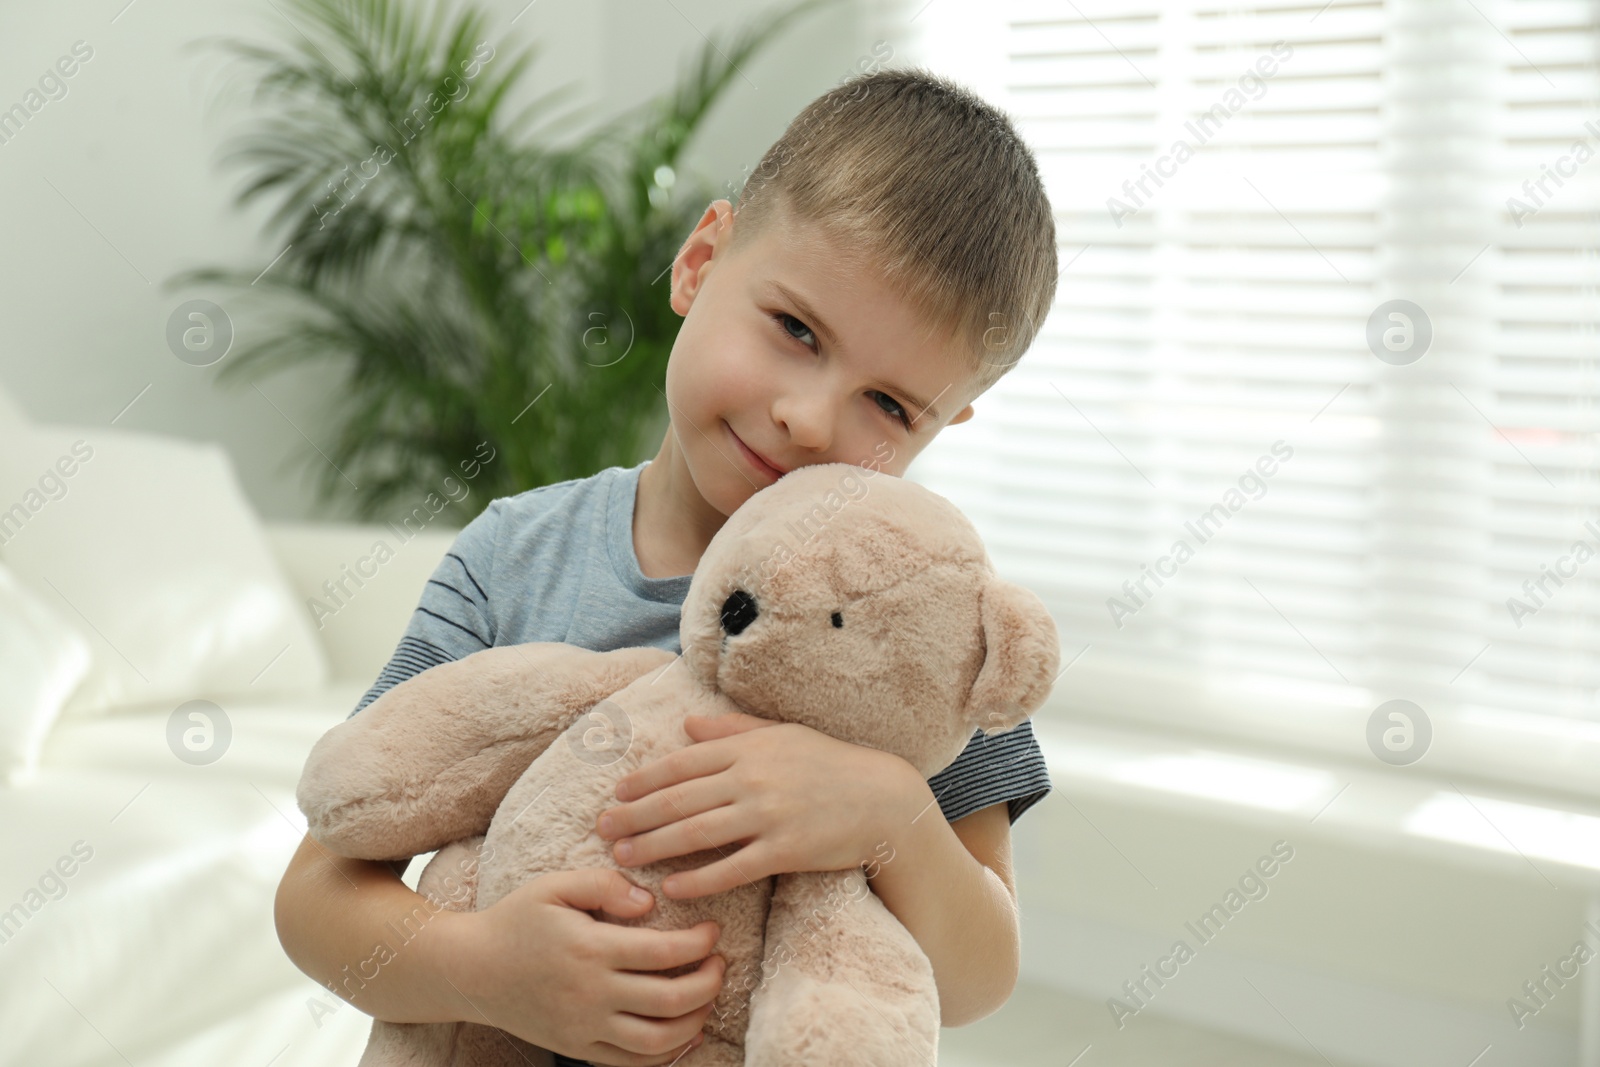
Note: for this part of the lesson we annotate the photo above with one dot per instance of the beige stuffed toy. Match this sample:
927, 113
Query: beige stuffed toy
856, 603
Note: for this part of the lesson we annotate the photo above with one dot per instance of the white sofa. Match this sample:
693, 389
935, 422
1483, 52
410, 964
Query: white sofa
136, 903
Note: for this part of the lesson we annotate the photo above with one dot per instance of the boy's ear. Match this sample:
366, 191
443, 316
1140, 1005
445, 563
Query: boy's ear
694, 258
961, 416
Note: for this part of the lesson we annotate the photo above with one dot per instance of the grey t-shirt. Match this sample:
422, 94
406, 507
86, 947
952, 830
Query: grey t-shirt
557, 563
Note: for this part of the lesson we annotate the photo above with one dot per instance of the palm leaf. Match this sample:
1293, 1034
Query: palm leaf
454, 282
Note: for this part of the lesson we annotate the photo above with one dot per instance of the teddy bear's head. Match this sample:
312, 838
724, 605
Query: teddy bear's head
864, 606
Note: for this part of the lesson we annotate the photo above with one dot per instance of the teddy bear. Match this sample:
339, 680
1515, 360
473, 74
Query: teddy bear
855, 602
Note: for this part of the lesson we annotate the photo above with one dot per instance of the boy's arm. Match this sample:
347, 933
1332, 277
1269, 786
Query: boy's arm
951, 885
330, 913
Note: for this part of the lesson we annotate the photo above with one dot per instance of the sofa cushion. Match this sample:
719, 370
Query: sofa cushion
42, 660
148, 546
140, 886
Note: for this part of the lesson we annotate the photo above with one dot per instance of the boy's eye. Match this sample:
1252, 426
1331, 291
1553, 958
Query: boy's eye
783, 319
898, 413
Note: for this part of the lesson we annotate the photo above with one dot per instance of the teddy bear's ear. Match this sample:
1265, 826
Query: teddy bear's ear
1022, 654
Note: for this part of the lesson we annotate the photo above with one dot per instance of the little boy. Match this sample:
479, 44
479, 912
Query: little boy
890, 259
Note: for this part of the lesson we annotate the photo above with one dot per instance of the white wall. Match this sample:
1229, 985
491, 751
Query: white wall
117, 186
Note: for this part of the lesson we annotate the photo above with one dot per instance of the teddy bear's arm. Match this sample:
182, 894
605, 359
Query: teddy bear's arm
429, 761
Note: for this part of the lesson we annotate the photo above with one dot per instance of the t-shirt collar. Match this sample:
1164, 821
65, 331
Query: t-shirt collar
619, 542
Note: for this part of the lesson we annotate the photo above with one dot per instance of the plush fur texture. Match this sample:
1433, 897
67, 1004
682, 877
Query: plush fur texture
857, 603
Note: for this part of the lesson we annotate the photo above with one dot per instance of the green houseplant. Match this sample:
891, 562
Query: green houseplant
481, 286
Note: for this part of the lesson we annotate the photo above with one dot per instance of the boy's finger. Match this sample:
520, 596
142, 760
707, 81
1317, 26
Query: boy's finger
691, 761
606, 1052
658, 997
705, 727
640, 949
638, 1032
730, 872
601, 890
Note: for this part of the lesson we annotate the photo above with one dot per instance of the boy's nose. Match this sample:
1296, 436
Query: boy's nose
809, 421
738, 611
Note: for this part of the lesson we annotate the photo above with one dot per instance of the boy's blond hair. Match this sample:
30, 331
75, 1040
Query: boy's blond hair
928, 185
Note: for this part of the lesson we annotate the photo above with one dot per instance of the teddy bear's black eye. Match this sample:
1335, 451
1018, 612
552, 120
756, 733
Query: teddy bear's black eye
838, 620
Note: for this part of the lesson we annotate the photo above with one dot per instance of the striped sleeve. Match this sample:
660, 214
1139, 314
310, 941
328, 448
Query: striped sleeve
1007, 767
453, 618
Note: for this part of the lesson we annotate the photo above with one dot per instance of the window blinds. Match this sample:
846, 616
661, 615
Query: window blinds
1255, 500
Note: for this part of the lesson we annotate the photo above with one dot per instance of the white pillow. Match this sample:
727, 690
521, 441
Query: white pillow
146, 544
42, 659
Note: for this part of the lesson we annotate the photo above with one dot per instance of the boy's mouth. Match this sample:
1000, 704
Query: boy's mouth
754, 458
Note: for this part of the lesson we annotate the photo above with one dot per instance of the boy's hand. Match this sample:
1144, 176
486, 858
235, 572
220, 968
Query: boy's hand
787, 797
537, 964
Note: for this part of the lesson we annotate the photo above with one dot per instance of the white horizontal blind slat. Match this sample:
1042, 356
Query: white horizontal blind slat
1224, 308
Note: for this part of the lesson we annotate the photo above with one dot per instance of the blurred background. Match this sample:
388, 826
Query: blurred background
1303, 463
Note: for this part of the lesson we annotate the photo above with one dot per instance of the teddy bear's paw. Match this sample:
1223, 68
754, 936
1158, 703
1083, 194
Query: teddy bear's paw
801, 1022
409, 1044
448, 1045
486, 1046
450, 879
713, 1052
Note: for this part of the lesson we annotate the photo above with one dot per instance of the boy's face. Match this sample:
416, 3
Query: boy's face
754, 369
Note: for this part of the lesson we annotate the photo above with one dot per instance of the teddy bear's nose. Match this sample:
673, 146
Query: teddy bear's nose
738, 611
